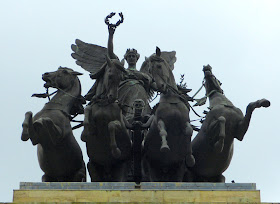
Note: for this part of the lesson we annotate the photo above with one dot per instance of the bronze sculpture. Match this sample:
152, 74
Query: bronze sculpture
167, 146
119, 122
213, 145
136, 84
59, 154
133, 85
107, 139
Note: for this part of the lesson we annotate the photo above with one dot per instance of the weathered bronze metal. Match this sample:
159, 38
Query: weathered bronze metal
213, 145
59, 154
107, 139
126, 140
167, 146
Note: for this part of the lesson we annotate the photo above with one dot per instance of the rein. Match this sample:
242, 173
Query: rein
44, 95
68, 94
158, 93
203, 83
172, 89
47, 95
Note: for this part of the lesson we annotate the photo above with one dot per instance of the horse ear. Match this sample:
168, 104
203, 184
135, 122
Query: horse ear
122, 62
121, 68
109, 62
76, 73
148, 64
158, 52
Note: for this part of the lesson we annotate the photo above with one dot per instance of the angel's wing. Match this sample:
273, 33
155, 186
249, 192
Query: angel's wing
89, 56
170, 58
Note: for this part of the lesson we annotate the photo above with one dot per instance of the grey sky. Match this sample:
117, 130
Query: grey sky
239, 39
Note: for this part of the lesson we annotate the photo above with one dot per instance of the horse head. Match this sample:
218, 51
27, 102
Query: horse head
112, 76
66, 81
161, 72
63, 78
212, 84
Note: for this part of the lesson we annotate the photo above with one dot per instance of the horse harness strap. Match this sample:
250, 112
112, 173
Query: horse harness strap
224, 104
50, 106
103, 102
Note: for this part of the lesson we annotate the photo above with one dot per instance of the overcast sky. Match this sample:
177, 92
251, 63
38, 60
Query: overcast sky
240, 39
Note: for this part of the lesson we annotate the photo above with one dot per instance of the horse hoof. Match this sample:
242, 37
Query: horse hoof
84, 136
116, 153
264, 103
164, 148
190, 161
24, 134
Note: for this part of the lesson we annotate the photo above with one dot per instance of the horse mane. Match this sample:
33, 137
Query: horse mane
77, 107
97, 91
171, 77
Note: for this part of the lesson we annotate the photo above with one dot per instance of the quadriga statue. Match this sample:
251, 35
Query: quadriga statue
213, 145
59, 154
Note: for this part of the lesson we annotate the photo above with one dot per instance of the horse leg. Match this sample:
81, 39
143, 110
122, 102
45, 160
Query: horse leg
29, 130
95, 172
163, 134
145, 170
176, 172
112, 127
46, 178
80, 175
25, 135
152, 172
217, 179
188, 176
120, 172
55, 133
86, 124
219, 145
220, 179
244, 123
216, 130
188, 131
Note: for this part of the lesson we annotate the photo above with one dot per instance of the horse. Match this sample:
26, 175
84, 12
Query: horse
213, 145
60, 157
167, 145
107, 139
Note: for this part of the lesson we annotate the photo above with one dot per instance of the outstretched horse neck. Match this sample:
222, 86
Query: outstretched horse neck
165, 82
217, 98
215, 93
172, 94
108, 83
64, 99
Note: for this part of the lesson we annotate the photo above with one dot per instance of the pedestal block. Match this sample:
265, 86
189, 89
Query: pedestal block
152, 192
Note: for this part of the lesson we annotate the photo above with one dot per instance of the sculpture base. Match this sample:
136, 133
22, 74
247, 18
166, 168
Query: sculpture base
157, 192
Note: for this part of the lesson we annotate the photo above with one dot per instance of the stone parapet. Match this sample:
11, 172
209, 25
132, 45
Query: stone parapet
152, 192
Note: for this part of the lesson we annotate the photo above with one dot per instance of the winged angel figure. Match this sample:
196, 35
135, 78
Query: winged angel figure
135, 85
